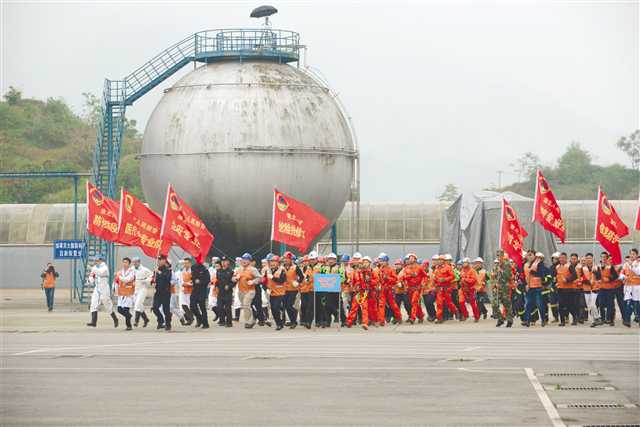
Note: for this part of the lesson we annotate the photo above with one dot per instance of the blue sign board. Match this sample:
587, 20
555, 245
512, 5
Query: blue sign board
68, 249
326, 282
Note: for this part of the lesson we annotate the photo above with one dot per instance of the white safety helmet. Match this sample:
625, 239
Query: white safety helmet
479, 260
555, 255
367, 258
466, 260
539, 255
332, 255
313, 255
435, 257
448, 257
357, 255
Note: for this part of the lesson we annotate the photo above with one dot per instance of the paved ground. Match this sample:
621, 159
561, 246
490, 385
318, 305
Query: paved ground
55, 371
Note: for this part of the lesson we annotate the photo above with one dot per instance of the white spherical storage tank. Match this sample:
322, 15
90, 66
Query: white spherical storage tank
229, 132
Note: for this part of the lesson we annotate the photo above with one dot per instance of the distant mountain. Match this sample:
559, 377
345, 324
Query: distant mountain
47, 135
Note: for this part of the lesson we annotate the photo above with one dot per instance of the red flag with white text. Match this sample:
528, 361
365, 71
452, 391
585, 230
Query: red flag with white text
546, 209
138, 225
294, 223
512, 234
609, 227
182, 226
102, 214
638, 215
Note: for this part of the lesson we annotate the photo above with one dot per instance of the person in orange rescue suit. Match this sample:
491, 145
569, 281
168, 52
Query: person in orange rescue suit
276, 276
429, 291
443, 278
294, 277
361, 279
567, 290
388, 280
467, 294
372, 294
124, 287
413, 277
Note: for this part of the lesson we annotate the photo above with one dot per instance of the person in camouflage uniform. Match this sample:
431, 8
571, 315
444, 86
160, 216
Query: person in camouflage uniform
500, 292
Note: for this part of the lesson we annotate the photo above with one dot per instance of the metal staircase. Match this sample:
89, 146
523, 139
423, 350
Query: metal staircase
206, 46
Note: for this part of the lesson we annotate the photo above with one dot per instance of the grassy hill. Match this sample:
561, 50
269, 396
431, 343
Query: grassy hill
47, 135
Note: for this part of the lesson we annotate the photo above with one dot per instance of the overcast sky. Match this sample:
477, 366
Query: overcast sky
439, 92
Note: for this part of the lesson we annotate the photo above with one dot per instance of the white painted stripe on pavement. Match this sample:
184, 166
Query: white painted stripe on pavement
553, 414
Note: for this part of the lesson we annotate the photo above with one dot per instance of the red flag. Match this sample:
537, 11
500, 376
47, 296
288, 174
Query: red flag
638, 215
102, 215
546, 209
294, 223
609, 227
138, 225
181, 225
512, 234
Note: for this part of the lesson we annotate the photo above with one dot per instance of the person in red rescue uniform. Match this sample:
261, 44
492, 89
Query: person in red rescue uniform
374, 287
388, 280
443, 278
467, 294
413, 276
49, 276
361, 279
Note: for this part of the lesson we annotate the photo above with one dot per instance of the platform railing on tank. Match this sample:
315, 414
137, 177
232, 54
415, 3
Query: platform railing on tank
221, 43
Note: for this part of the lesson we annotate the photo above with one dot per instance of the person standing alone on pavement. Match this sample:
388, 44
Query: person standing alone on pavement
49, 276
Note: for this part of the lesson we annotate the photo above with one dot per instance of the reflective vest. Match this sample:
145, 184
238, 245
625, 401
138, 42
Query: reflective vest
632, 279
277, 289
291, 277
187, 284
49, 280
532, 280
562, 276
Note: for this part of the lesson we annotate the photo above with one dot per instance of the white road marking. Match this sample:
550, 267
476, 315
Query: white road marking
261, 369
472, 348
553, 414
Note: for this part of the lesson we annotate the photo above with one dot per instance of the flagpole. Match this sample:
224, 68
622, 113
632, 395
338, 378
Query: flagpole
595, 223
273, 218
535, 196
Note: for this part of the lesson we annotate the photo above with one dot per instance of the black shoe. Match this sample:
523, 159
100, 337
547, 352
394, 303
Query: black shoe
438, 321
145, 319
198, 324
293, 326
279, 327
288, 324
249, 326
129, 328
420, 320
561, 324
137, 319
167, 327
261, 323
205, 326
229, 325
94, 319
500, 323
544, 323
526, 324
509, 323
308, 326
183, 323
574, 323
484, 316
612, 323
115, 320
160, 326
267, 323
627, 324
50, 309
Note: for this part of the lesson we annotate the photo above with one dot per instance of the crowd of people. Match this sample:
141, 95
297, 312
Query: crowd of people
279, 291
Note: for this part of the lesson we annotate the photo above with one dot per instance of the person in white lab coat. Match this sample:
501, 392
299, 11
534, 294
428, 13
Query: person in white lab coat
143, 280
99, 277
124, 287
